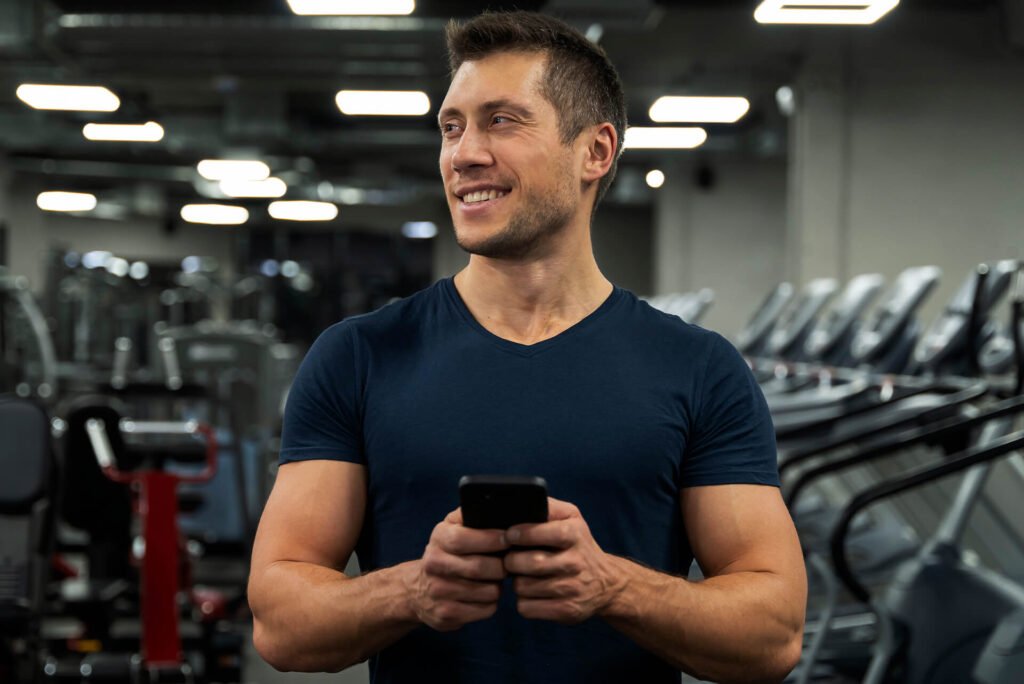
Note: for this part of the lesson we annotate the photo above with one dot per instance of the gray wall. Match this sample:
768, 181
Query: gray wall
908, 150
730, 237
33, 232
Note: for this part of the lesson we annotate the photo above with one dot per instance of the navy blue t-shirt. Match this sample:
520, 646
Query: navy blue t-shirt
618, 413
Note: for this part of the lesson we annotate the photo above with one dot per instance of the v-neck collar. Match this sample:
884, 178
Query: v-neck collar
455, 299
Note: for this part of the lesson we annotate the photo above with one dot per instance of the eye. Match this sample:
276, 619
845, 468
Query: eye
498, 118
449, 128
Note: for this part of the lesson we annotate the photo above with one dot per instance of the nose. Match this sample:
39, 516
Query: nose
472, 150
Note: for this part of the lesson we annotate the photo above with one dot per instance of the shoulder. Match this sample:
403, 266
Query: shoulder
391, 322
671, 332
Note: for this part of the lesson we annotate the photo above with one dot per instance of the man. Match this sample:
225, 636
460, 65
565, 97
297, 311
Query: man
651, 433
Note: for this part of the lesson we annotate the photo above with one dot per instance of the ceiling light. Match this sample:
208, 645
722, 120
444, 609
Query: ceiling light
290, 269
785, 99
270, 187
665, 138
699, 109
139, 270
655, 178
96, 258
117, 266
383, 102
303, 211
66, 201
348, 7
68, 98
215, 214
270, 268
150, 131
419, 230
233, 169
823, 11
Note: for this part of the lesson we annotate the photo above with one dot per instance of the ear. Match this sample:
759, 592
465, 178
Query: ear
600, 152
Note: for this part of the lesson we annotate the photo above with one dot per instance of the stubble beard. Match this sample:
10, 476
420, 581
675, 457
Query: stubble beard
540, 217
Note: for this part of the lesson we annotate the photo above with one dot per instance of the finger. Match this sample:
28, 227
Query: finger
464, 591
561, 510
440, 563
464, 540
535, 563
543, 587
452, 615
560, 534
455, 517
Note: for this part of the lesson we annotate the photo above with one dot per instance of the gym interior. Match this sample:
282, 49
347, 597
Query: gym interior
174, 235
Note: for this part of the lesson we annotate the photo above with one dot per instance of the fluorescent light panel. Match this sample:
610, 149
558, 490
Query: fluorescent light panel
352, 7
66, 201
664, 138
383, 102
215, 214
670, 109
150, 131
419, 230
270, 187
295, 210
68, 98
823, 11
233, 169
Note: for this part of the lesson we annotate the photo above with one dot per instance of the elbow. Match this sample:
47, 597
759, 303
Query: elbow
787, 659
270, 650
285, 657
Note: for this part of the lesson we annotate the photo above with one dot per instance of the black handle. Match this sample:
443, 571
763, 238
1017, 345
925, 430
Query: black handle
901, 440
915, 478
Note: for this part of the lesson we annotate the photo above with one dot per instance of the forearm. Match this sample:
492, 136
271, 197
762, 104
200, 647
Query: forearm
740, 627
311, 618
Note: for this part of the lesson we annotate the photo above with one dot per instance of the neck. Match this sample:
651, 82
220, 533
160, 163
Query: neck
533, 299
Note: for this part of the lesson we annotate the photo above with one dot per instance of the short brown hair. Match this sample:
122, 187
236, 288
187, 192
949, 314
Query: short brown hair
580, 81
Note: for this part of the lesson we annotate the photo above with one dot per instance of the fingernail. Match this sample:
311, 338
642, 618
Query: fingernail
512, 535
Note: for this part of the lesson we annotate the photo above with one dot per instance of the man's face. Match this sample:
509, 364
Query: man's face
508, 179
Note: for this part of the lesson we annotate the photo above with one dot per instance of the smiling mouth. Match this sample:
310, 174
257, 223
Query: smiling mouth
482, 196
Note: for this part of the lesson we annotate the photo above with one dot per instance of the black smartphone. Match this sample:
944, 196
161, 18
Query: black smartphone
497, 502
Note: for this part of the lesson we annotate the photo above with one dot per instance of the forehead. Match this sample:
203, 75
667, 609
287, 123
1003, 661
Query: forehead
501, 76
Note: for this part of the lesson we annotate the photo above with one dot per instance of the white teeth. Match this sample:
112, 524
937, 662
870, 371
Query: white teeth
482, 195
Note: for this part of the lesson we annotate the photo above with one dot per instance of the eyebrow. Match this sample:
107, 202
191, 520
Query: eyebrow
502, 103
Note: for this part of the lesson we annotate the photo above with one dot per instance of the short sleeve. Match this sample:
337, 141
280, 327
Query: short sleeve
322, 417
732, 435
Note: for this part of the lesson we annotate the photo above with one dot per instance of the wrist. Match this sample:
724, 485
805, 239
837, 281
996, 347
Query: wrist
620, 601
403, 577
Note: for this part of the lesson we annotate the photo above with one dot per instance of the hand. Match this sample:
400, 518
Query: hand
455, 583
568, 581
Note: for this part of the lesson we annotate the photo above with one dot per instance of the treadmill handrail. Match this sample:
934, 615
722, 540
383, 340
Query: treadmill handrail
970, 393
910, 480
889, 444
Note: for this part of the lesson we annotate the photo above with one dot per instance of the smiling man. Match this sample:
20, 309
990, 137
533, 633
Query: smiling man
652, 434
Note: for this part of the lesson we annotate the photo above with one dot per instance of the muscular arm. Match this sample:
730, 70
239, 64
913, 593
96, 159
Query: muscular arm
309, 616
743, 623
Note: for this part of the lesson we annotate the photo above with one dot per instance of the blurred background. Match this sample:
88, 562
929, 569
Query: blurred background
211, 194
